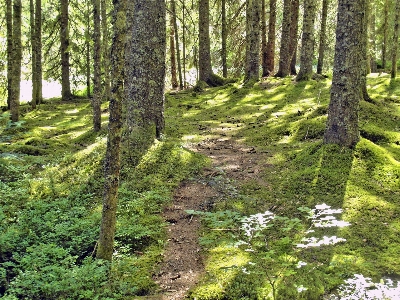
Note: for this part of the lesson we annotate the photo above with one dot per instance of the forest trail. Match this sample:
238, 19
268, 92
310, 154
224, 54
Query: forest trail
232, 164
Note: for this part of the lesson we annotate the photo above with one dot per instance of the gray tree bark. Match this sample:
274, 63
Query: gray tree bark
294, 28
307, 41
347, 82
16, 58
112, 161
64, 41
322, 37
105, 49
97, 90
252, 40
9, 21
145, 72
205, 69
224, 37
395, 42
284, 52
270, 51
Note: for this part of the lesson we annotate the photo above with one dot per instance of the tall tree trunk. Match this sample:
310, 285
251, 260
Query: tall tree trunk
87, 48
372, 34
284, 52
294, 28
16, 58
307, 41
346, 91
270, 51
184, 43
105, 49
144, 81
38, 42
178, 51
112, 160
395, 42
96, 101
322, 37
174, 78
64, 40
205, 70
364, 48
224, 36
9, 20
263, 37
33, 52
385, 32
252, 40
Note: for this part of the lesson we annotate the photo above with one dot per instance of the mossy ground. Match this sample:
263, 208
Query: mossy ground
287, 120
51, 192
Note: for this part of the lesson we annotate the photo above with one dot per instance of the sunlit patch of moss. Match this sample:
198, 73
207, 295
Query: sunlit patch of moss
223, 265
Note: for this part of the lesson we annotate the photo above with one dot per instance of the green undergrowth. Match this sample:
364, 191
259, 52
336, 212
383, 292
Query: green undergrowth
286, 121
51, 186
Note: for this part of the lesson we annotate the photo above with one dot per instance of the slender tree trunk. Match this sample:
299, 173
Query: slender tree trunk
322, 37
33, 53
294, 28
205, 70
364, 48
184, 43
263, 38
97, 91
105, 50
64, 40
395, 40
16, 58
385, 32
144, 81
224, 36
112, 161
38, 41
284, 52
372, 34
178, 51
88, 54
270, 51
174, 79
252, 40
9, 20
346, 91
307, 41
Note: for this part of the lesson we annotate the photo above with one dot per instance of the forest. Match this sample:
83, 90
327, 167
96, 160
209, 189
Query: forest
199, 149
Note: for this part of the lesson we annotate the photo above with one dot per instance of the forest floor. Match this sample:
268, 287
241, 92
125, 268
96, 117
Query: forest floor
183, 262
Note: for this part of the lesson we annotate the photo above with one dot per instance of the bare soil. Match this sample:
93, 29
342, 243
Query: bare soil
183, 265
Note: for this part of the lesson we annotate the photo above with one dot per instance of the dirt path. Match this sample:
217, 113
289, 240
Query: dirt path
183, 266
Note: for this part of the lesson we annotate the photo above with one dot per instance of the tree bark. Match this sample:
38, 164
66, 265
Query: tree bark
64, 41
224, 36
16, 61
263, 37
112, 160
38, 41
385, 32
372, 34
294, 28
307, 41
96, 101
9, 20
205, 70
174, 78
252, 40
284, 52
322, 37
144, 81
33, 53
178, 51
270, 51
346, 91
105, 49
395, 41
